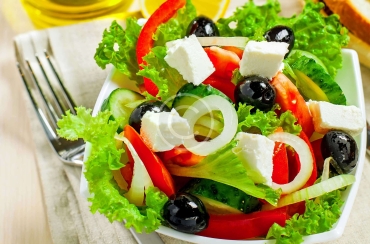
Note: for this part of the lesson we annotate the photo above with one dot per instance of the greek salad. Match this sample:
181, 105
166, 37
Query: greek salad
236, 129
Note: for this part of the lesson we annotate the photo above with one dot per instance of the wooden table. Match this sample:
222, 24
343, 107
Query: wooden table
22, 212
22, 215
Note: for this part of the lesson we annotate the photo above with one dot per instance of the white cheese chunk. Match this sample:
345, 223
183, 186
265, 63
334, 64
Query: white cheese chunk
256, 152
263, 58
189, 58
327, 116
164, 130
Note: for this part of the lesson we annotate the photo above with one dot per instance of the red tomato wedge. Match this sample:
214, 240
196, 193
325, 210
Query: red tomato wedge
222, 84
289, 98
158, 173
180, 156
235, 50
145, 41
225, 61
244, 226
295, 165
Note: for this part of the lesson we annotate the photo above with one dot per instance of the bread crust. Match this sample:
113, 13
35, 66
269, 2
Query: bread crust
351, 17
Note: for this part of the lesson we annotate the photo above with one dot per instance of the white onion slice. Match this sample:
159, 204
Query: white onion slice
305, 158
140, 178
240, 42
331, 184
201, 107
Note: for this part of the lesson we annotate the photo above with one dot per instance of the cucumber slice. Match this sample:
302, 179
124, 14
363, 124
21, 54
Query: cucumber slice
121, 102
221, 198
212, 123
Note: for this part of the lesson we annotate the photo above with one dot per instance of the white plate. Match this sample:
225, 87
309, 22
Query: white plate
349, 78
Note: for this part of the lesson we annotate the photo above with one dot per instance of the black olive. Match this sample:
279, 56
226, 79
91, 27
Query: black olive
202, 27
281, 33
257, 91
138, 113
342, 148
186, 213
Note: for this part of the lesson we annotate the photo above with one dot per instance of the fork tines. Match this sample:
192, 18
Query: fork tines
50, 100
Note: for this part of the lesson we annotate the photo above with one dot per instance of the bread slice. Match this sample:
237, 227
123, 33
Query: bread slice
354, 14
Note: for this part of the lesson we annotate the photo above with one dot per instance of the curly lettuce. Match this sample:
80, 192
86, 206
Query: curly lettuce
118, 47
320, 215
106, 195
266, 122
323, 36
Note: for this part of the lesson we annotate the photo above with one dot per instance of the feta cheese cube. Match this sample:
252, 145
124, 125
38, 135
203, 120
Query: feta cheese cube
256, 152
327, 116
189, 58
164, 130
263, 58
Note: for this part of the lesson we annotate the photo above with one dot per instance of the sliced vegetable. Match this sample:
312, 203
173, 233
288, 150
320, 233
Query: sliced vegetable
280, 172
157, 171
316, 190
225, 167
224, 85
121, 102
201, 107
180, 156
225, 61
300, 146
289, 98
140, 178
243, 226
240, 42
145, 41
220, 198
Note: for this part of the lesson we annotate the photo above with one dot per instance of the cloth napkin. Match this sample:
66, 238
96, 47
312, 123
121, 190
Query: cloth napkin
68, 212
69, 217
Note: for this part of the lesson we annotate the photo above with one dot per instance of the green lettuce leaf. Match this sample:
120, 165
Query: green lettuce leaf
323, 36
225, 167
167, 79
118, 47
320, 215
266, 122
106, 196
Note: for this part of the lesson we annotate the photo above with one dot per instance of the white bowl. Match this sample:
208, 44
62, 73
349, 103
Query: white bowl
349, 78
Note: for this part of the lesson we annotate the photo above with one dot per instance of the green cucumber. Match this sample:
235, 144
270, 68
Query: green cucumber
221, 198
188, 94
121, 102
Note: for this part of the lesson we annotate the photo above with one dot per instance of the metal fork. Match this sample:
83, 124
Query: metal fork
50, 100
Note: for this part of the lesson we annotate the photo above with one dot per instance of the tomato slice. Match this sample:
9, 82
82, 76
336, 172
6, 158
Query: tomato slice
244, 226
222, 84
316, 147
289, 98
145, 40
225, 61
235, 50
180, 156
158, 173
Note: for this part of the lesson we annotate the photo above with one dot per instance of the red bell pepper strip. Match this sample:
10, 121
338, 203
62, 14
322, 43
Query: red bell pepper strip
145, 40
157, 171
280, 173
316, 147
244, 226
222, 84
